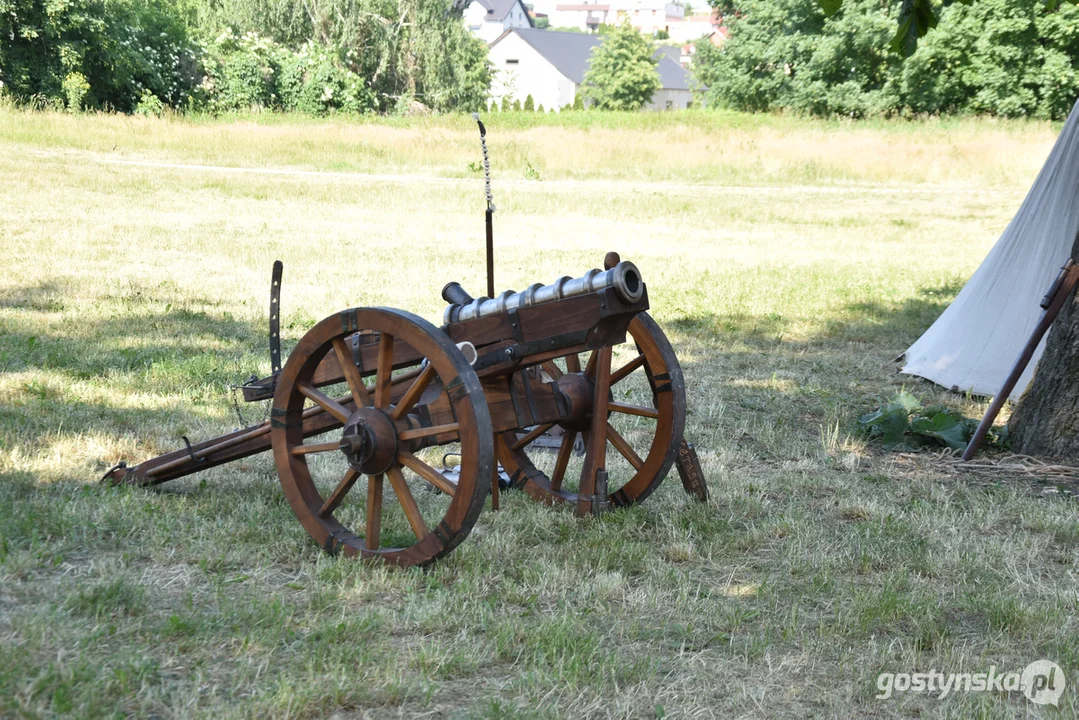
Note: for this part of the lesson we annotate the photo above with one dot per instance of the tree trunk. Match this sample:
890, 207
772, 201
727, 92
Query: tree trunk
1046, 422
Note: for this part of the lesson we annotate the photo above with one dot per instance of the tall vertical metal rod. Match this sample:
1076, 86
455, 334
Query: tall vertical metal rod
490, 255
490, 213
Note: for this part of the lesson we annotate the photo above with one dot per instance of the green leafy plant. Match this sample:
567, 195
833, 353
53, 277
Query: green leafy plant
150, 105
902, 424
75, 89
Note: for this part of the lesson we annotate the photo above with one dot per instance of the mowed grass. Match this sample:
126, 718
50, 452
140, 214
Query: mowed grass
133, 295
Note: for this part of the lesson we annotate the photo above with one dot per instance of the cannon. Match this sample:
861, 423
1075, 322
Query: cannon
517, 387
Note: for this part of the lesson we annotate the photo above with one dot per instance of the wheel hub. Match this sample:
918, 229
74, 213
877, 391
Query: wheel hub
579, 390
369, 441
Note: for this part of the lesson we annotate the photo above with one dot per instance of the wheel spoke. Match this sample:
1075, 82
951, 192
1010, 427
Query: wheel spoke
624, 447
552, 369
351, 373
573, 363
622, 372
324, 401
590, 368
562, 462
374, 512
316, 448
339, 492
426, 472
633, 410
413, 393
532, 435
404, 496
383, 377
428, 431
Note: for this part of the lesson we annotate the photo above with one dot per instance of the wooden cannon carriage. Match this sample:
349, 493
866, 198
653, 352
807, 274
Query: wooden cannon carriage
373, 392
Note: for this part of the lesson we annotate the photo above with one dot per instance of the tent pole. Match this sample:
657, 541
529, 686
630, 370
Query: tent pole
1052, 303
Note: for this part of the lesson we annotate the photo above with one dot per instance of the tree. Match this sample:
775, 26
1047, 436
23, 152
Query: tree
1046, 422
622, 71
1001, 57
530, 104
788, 54
915, 18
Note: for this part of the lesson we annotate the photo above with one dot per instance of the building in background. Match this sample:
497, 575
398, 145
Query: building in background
550, 66
487, 19
649, 16
691, 28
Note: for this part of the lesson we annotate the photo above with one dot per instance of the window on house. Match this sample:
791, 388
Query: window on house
511, 62
670, 104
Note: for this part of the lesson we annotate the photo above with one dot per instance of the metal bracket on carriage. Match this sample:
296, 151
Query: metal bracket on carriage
254, 388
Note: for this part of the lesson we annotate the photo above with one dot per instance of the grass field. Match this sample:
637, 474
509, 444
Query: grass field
789, 262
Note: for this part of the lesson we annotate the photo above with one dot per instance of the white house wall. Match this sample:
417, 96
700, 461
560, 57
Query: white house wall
516, 18
531, 75
678, 99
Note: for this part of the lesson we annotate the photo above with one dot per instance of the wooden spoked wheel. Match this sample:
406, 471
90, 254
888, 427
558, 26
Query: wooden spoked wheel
363, 437
646, 417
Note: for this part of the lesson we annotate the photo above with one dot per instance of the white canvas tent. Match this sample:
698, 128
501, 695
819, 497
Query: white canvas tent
974, 343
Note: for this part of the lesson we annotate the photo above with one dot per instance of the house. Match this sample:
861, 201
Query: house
587, 16
487, 19
693, 27
648, 16
550, 66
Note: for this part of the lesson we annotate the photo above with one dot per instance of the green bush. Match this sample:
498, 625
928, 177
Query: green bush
249, 71
150, 105
530, 104
75, 88
432, 58
98, 54
311, 56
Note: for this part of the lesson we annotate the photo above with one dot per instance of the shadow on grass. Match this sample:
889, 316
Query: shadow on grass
121, 365
130, 337
755, 384
868, 321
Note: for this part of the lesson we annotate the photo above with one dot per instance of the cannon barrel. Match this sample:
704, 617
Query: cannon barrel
624, 278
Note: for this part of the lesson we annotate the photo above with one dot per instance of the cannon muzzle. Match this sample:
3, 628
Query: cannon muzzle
624, 278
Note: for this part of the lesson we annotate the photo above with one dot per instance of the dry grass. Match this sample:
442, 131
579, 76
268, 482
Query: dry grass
132, 295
